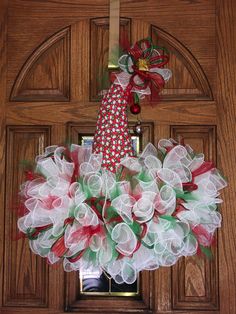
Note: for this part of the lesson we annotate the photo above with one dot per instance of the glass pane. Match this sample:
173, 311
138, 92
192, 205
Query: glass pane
124, 287
92, 283
87, 140
135, 144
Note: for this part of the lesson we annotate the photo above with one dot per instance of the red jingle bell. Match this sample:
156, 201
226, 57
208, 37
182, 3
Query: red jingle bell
135, 109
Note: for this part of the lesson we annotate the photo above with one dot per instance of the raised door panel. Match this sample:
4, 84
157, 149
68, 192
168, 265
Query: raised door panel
195, 279
45, 75
26, 276
188, 82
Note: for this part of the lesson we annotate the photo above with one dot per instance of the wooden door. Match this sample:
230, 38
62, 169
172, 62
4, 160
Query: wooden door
53, 56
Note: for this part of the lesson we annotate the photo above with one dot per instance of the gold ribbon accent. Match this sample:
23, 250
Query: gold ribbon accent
114, 34
143, 65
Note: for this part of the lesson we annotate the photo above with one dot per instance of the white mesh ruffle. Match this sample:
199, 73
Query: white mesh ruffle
142, 217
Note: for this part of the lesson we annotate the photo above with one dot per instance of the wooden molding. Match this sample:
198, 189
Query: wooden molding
25, 274
226, 147
45, 76
3, 78
195, 279
189, 81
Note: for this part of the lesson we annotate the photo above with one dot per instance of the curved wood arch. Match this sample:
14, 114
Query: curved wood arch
50, 60
189, 82
190, 65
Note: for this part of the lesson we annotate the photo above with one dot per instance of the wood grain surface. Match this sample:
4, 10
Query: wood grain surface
226, 148
3, 71
53, 59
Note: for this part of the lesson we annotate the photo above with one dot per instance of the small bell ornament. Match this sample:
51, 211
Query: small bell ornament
138, 128
135, 109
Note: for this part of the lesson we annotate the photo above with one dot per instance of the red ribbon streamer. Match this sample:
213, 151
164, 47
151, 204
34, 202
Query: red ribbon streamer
200, 232
59, 248
205, 167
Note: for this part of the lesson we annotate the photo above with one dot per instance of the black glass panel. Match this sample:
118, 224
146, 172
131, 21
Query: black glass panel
124, 287
100, 284
104, 285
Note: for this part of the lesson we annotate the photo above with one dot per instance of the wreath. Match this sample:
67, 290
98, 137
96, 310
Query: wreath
101, 208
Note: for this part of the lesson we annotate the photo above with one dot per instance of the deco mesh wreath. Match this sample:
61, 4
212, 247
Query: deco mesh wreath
100, 208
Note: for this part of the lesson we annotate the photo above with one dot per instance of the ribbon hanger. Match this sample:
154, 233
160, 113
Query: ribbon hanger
114, 34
